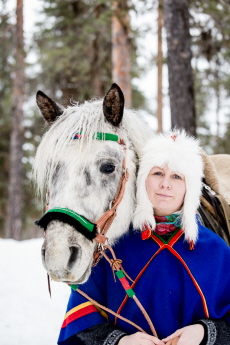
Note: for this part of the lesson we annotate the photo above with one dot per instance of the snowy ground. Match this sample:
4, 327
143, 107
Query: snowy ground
27, 314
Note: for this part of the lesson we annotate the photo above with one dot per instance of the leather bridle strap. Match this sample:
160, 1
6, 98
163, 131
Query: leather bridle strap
107, 218
104, 223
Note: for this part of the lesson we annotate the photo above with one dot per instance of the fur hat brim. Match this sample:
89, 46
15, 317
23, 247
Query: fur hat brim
182, 156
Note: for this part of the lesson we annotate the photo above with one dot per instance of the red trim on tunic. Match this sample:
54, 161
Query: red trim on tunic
171, 242
176, 238
169, 247
157, 240
77, 314
194, 281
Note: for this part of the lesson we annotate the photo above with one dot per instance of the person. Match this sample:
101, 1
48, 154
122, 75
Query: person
180, 268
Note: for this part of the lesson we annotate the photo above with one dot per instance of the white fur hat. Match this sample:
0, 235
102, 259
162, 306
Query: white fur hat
182, 154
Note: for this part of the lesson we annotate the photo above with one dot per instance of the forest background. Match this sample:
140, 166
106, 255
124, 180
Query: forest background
69, 55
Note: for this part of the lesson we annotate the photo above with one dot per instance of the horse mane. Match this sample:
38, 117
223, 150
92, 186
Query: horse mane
86, 118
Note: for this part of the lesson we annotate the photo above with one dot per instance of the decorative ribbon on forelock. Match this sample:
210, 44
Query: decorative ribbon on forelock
98, 136
174, 137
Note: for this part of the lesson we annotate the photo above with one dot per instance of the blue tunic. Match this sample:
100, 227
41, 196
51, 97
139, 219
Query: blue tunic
176, 286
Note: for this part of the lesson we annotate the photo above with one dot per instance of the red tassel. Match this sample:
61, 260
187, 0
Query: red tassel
191, 245
146, 234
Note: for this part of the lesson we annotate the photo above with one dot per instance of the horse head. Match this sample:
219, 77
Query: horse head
79, 163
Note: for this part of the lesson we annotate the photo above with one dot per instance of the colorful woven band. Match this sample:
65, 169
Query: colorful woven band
125, 283
70, 217
99, 136
74, 287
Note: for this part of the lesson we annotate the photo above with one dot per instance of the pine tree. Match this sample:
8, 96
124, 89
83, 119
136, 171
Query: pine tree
224, 143
75, 50
159, 66
121, 64
77, 35
6, 43
211, 45
15, 202
181, 89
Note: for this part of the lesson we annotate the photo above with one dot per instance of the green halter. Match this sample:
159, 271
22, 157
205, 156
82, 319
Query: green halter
70, 217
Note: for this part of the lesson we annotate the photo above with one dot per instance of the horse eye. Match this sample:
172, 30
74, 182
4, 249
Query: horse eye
107, 168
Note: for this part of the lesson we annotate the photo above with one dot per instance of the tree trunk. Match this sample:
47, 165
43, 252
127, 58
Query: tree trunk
121, 48
181, 89
15, 202
218, 104
97, 79
159, 66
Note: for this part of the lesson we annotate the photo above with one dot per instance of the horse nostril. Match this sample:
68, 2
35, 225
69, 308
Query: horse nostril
73, 256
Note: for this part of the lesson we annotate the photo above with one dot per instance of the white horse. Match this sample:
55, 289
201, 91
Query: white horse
82, 175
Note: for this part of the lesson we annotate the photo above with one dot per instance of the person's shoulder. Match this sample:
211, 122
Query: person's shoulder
211, 239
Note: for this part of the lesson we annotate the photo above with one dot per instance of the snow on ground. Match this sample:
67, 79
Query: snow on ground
28, 316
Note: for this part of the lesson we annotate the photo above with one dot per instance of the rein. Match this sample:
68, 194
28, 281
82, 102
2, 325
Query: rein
97, 231
118, 270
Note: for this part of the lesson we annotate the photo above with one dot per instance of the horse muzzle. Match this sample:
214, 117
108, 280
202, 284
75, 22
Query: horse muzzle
66, 254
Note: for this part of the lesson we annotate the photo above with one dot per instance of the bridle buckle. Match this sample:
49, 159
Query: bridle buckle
126, 174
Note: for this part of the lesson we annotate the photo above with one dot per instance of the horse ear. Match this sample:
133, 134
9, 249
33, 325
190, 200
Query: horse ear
49, 108
113, 105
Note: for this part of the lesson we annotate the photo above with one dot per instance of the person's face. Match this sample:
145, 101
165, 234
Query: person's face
166, 190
